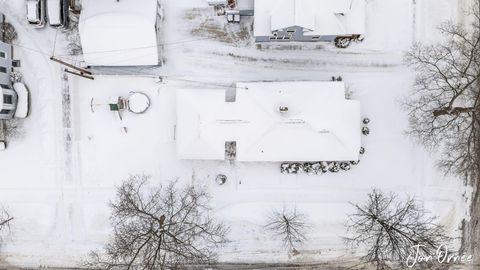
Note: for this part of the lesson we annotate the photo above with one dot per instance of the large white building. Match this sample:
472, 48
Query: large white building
119, 33
270, 121
308, 20
14, 99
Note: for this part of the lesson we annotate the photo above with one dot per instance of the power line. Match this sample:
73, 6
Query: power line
123, 72
168, 77
38, 51
55, 42
66, 56
146, 47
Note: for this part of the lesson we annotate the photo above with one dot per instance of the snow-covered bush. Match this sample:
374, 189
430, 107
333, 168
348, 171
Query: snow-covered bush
316, 168
308, 168
14, 128
16, 76
355, 162
345, 166
333, 167
291, 168
8, 33
365, 131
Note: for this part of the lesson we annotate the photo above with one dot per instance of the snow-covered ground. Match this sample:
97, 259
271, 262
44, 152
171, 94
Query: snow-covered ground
57, 179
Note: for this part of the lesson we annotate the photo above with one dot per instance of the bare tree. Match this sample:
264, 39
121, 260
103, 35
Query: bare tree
444, 106
14, 128
7, 32
74, 46
291, 226
160, 227
5, 220
390, 230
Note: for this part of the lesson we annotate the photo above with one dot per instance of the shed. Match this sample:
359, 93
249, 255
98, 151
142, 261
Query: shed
119, 33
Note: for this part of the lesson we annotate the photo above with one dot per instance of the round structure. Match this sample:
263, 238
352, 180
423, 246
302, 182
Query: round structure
138, 102
221, 179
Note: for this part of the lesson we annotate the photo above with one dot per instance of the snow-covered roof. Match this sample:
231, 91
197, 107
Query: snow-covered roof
119, 33
320, 17
32, 11
245, 4
240, 4
53, 11
320, 125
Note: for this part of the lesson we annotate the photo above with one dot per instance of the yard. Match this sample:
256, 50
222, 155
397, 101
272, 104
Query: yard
58, 178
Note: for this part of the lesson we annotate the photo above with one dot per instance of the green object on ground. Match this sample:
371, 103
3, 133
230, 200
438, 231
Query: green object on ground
113, 107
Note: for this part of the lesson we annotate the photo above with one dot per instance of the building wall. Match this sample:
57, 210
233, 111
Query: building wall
8, 110
5, 63
294, 33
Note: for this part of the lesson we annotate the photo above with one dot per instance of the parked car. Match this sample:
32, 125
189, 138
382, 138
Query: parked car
57, 13
36, 13
23, 100
8, 102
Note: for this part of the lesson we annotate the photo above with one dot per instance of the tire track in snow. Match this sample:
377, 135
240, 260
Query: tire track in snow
49, 89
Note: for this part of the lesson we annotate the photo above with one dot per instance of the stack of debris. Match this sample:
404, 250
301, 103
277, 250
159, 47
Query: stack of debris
3, 142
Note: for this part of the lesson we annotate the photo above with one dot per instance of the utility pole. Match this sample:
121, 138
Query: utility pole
79, 74
81, 71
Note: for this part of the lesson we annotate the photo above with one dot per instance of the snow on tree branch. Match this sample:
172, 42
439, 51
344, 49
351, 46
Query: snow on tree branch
388, 229
291, 226
160, 227
444, 104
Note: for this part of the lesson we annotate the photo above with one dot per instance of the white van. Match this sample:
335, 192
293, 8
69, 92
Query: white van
57, 13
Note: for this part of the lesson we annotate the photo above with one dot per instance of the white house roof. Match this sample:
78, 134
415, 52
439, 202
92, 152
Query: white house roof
119, 33
321, 125
320, 17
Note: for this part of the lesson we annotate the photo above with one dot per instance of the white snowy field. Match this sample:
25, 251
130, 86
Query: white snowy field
58, 178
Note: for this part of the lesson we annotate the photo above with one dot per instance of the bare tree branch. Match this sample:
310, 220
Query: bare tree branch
160, 227
290, 226
5, 222
444, 104
388, 229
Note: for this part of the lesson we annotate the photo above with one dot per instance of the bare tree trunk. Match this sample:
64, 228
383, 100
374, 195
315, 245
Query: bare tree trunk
390, 231
452, 111
160, 227
290, 226
474, 226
